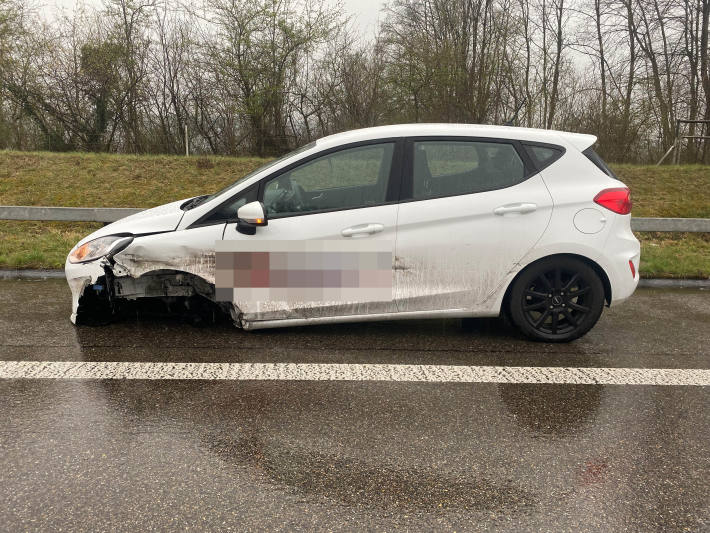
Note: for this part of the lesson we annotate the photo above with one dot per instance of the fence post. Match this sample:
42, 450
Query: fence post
187, 144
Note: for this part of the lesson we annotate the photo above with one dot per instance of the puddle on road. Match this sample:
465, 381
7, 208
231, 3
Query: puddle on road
356, 483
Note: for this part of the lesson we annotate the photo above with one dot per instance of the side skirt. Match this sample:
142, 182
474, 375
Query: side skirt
409, 315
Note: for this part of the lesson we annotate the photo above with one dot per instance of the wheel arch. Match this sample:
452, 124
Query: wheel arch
590, 262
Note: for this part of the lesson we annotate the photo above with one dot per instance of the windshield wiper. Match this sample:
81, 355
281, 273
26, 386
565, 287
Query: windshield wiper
191, 204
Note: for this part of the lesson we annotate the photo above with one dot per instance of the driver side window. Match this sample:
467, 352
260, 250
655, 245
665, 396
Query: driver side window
228, 210
350, 178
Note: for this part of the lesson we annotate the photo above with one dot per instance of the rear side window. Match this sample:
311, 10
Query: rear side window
599, 162
544, 155
449, 168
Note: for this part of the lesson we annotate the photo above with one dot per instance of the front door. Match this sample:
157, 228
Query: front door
472, 209
343, 195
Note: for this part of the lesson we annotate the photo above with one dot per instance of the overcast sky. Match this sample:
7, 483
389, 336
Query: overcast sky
365, 12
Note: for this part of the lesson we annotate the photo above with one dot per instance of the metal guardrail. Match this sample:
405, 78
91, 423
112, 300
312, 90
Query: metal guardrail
111, 214
67, 214
694, 225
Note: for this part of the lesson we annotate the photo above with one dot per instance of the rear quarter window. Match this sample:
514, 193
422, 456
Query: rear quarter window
543, 155
599, 162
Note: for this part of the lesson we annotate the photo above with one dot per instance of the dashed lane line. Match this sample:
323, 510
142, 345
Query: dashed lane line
353, 372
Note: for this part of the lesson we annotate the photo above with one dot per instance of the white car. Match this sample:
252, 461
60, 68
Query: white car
479, 220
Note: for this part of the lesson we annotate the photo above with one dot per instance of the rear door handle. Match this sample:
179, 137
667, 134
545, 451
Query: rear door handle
362, 229
521, 208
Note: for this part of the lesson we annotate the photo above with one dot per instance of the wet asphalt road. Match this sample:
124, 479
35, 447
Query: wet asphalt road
245, 455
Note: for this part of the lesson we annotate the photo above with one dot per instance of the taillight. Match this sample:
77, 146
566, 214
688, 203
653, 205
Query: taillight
617, 200
633, 268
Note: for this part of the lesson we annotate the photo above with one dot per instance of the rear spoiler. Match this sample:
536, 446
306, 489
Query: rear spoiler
581, 141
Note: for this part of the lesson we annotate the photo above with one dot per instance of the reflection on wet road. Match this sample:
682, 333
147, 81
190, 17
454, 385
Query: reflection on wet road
344, 455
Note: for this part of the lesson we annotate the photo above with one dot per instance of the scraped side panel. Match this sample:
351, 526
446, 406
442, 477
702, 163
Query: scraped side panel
190, 251
454, 252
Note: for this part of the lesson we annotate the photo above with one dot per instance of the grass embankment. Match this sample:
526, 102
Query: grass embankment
103, 180
671, 191
95, 180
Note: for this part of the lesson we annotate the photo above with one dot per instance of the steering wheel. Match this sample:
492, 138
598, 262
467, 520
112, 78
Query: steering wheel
291, 194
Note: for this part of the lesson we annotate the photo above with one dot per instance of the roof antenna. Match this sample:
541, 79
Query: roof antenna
511, 122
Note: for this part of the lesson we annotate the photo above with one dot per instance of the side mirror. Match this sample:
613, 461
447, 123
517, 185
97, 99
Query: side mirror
249, 216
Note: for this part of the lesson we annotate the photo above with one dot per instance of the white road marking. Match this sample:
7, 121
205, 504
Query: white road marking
353, 372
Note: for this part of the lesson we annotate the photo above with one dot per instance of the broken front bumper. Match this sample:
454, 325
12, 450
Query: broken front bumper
102, 289
79, 277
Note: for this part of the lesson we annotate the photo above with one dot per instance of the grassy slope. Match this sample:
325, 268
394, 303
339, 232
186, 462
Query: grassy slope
98, 180
104, 180
670, 191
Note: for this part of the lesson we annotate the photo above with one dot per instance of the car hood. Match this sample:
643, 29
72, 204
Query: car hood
155, 220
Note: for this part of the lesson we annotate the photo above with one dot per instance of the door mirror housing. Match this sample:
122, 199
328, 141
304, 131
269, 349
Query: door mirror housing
249, 216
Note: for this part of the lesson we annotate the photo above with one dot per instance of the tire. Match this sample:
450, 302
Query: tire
558, 299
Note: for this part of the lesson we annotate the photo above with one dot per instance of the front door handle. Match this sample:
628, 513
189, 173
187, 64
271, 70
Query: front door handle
521, 208
362, 229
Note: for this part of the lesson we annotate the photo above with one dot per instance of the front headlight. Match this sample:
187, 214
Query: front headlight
100, 247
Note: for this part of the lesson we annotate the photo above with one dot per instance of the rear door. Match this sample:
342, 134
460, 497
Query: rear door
471, 208
347, 194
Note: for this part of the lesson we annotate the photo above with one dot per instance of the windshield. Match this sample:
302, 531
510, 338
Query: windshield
202, 199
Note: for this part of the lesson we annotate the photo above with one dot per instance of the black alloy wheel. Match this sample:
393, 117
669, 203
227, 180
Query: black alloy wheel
557, 299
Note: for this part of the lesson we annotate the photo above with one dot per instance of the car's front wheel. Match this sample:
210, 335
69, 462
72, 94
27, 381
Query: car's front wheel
557, 299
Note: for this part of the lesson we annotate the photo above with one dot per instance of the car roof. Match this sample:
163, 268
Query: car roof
580, 141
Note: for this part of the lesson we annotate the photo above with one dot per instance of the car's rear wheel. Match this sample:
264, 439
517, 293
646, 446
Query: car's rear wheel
556, 300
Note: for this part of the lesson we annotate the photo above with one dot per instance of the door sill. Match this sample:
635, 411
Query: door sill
408, 315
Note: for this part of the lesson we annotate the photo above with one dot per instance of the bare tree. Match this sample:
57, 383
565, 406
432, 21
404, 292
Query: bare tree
263, 76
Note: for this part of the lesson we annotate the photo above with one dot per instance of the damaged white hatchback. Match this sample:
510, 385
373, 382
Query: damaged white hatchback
394, 222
